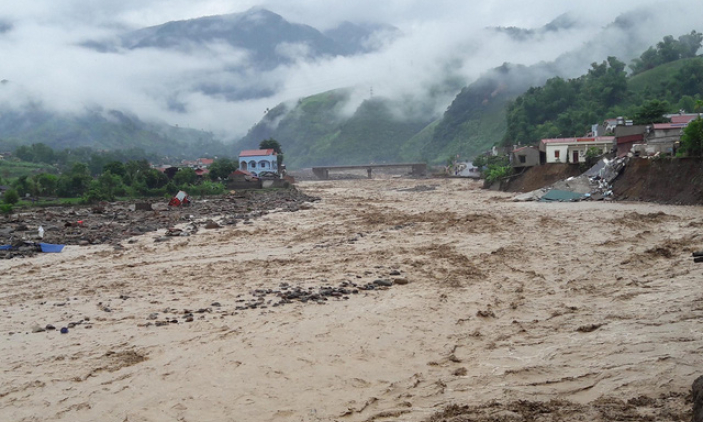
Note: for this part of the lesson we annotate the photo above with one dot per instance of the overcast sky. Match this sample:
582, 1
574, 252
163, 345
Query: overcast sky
42, 58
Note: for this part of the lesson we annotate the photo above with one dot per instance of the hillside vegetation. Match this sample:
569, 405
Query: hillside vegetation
103, 130
509, 105
563, 108
316, 131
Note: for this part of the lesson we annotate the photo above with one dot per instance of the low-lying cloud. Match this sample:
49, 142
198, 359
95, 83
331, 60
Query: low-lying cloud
446, 40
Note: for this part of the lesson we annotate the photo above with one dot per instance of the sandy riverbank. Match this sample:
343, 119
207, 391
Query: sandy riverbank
593, 304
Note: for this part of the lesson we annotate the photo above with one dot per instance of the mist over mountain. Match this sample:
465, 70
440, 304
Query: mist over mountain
267, 39
158, 62
563, 22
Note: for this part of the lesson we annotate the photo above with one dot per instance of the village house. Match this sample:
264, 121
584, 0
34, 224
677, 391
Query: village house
662, 138
573, 150
628, 136
256, 161
527, 156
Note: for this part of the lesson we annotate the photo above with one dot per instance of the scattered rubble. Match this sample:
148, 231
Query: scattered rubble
595, 184
111, 223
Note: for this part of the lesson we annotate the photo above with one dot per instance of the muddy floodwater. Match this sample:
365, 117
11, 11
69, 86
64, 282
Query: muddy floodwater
387, 300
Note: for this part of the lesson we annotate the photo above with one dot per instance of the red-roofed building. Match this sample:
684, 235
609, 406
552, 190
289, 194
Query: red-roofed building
257, 160
200, 172
684, 118
206, 161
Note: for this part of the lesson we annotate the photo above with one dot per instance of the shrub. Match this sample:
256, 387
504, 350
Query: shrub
11, 197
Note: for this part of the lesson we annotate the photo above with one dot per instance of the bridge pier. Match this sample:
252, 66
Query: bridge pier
321, 172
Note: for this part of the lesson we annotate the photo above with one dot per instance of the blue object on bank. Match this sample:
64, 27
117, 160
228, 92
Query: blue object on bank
51, 248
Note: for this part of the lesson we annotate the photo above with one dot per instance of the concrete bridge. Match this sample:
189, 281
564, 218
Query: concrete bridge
416, 169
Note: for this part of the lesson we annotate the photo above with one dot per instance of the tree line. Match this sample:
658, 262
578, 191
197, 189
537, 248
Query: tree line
130, 178
567, 107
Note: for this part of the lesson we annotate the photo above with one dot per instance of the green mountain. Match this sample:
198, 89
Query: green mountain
103, 130
316, 131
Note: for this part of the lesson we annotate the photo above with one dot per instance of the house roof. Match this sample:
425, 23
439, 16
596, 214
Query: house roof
206, 161
244, 172
665, 126
683, 118
577, 141
524, 148
257, 152
630, 138
202, 171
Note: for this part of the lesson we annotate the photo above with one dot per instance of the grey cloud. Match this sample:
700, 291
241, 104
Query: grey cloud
445, 44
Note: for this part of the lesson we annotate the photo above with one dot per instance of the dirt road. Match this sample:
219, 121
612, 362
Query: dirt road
497, 310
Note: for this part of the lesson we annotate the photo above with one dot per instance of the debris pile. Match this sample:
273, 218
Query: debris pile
110, 223
595, 184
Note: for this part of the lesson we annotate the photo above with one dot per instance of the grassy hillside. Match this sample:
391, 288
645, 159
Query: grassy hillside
657, 78
475, 121
316, 131
10, 169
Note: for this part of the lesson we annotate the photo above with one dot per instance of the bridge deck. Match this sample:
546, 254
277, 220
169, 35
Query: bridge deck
416, 168
366, 166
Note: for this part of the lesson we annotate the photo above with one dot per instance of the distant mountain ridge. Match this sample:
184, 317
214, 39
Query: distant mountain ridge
267, 37
565, 21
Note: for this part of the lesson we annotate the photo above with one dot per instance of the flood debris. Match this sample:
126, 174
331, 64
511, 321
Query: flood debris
182, 199
594, 184
112, 223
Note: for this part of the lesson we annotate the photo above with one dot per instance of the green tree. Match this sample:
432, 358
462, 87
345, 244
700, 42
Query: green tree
25, 186
46, 184
185, 176
11, 196
110, 185
221, 168
271, 144
36, 153
155, 179
24, 153
115, 167
669, 49
689, 44
692, 139
651, 112
648, 60
75, 183
135, 170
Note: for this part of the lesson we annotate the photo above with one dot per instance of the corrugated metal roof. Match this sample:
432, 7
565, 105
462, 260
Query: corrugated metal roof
663, 126
684, 118
597, 139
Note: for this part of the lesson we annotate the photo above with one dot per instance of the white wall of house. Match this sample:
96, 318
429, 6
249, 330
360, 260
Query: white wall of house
259, 163
557, 153
566, 151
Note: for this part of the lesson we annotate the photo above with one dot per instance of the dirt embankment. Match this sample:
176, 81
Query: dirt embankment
669, 181
537, 177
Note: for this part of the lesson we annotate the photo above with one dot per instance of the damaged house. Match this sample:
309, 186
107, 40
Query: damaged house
573, 150
527, 156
